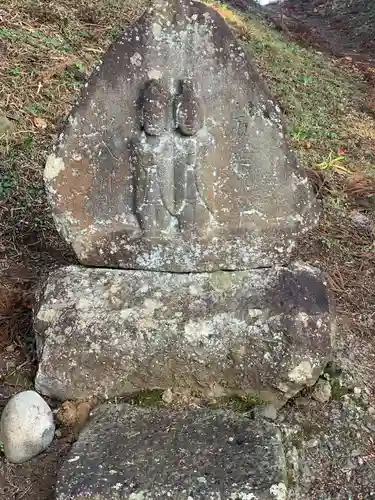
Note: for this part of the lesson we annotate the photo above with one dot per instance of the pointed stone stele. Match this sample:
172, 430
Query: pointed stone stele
127, 453
175, 157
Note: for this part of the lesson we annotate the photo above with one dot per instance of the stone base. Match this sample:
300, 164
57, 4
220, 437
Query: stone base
109, 333
128, 453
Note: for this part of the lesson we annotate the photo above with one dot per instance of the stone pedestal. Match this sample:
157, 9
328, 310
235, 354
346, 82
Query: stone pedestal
109, 333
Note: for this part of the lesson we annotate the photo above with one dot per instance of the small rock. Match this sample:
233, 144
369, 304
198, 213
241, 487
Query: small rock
167, 396
312, 443
268, 411
26, 427
361, 221
356, 453
74, 414
357, 392
322, 391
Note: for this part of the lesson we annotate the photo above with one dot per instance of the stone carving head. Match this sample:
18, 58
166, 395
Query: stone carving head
188, 109
155, 108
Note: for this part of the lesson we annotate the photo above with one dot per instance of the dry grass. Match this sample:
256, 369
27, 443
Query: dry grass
34, 480
15, 309
48, 48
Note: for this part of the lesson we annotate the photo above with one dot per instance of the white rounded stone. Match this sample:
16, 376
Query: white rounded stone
26, 426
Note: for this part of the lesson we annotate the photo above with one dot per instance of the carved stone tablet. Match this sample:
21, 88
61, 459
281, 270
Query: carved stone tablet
175, 156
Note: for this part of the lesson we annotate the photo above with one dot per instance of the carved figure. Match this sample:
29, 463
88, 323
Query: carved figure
166, 157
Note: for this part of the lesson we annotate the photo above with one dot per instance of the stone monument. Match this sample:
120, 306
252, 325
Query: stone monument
175, 158
175, 183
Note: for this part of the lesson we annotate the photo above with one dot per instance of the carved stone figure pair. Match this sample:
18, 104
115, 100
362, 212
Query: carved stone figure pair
165, 158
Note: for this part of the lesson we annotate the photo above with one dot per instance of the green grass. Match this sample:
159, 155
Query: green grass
241, 404
50, 51
321, 100
150, 398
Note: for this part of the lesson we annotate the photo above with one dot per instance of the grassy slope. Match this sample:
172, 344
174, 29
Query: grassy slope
321, 100
49, 48
335, 140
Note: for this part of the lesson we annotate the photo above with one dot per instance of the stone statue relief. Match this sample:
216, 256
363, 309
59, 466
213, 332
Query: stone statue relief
175, 157
165, 161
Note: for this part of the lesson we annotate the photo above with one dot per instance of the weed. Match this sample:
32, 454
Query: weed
14, 71
27, 142
333, 163
329, 243
338, 389
35, 109
297, 440
7, 184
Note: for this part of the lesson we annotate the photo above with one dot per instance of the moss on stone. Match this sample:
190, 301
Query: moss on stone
298, 440
337, 389
148, 398
241, 404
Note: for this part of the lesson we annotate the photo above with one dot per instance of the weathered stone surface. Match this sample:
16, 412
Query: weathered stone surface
127, 453
175, 157
26, 427
111, 332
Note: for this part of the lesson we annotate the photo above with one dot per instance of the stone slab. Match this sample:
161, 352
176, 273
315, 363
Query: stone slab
111, 332
175, 157
127, 453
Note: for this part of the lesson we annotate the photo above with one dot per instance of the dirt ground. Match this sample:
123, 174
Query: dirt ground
319, 65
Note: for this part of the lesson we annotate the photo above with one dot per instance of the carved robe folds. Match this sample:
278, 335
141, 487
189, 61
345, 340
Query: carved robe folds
165, 163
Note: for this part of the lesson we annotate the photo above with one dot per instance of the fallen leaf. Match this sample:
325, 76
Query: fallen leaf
55, 69
40, 122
